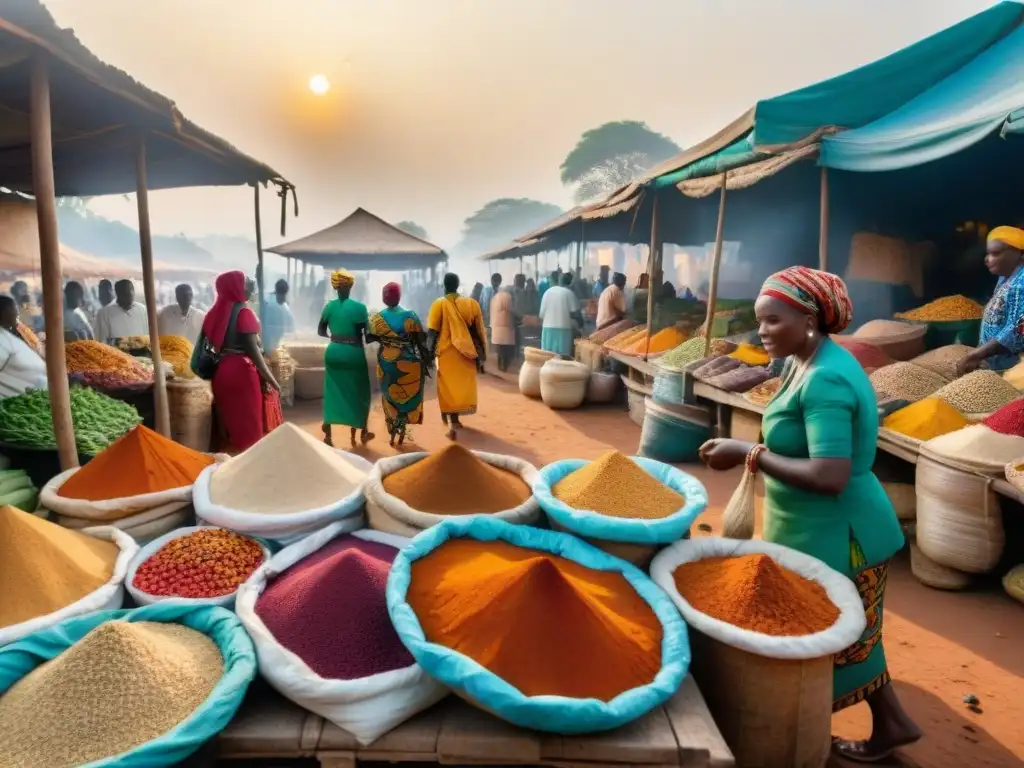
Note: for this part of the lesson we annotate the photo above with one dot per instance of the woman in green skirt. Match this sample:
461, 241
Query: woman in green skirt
821, 497
346, 378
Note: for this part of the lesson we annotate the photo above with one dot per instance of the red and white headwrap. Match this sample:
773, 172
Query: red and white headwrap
818, 293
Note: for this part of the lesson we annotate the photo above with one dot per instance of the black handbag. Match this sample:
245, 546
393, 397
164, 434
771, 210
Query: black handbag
204, 357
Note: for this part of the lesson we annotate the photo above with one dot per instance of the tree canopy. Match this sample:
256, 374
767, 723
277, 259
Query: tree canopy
413, 229
613, 154
501, 221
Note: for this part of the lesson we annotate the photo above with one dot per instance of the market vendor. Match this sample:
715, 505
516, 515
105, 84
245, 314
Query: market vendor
611, 306
21, 367
821, 497
1002, 326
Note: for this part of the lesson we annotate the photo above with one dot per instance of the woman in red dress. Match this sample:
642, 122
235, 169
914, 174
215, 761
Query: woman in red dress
245, 392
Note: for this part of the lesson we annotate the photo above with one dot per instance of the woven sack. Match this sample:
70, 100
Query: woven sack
1013, 583
931, 574
107, 510
190, 402
390, 514
959, 521
903, 497
741, 379
563, 383
1015, 474
716, 367
145, 526
306, 355
309, 383
529, 379
602, 387
771, 696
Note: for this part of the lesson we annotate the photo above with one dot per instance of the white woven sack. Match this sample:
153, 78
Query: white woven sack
109, 509
841, 591
288, 527
145, 526
529, 379
108, 597
367, 708
386, 513
150, 549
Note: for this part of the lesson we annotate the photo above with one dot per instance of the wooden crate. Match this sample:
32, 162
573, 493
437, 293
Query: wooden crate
680, 734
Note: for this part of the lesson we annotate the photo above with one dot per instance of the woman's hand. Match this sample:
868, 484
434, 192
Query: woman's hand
967, 365
721, 454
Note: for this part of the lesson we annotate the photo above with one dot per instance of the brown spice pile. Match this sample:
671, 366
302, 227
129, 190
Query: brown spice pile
617, 486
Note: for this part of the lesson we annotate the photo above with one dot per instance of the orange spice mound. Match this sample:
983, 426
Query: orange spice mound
139, 462
542, 623
756, 593
454, 481
617, 486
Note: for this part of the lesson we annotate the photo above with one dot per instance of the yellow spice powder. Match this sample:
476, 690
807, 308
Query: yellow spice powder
926, 419
617, 486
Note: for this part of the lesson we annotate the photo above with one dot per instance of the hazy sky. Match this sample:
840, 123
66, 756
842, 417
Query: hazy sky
438, 106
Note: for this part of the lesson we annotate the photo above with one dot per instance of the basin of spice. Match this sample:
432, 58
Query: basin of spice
946, 309
45, 568
617, 486
202, 564
120, 686
329, 610
926, 419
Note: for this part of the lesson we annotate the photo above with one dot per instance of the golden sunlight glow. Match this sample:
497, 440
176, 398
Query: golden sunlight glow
319, 84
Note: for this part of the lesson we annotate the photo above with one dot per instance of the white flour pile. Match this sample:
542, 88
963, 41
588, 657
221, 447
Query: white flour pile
287, 471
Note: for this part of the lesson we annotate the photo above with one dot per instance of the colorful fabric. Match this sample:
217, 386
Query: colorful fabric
557, 340
1012, 236
239, 403
1003, 320
347, 376
451, 317
341, 278
818, 293
400, 369
230, 291
861, 669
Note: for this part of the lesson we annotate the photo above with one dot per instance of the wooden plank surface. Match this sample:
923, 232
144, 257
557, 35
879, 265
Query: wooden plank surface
700, 742
648, 741
636, 363
471, 736
716, 395
269, 725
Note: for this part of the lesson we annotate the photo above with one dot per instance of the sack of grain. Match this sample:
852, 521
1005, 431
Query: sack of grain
107, 597
108, 510
602, 387
959, 520
934, 575
366, 707
390, 514
770, 695
529, 379
306, 355
144, 526
563, 383
190, 403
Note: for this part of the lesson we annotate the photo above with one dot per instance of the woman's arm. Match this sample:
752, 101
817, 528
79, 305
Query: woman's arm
362, 334
321, 330
250, 343
828, 477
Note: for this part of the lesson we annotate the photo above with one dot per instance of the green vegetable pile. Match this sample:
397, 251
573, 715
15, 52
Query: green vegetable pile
16, 489
26, 420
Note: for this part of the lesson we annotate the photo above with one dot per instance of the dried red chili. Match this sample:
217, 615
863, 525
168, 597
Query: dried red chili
207, 563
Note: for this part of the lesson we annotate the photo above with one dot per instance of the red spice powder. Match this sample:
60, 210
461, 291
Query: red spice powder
869, 356
329, 610
1009, 420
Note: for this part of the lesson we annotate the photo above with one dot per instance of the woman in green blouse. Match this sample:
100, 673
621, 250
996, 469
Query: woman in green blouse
821, 497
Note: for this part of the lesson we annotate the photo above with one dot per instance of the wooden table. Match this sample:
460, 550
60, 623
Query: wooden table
681, 733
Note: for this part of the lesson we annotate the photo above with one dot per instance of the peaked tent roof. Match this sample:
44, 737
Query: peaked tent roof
362, 241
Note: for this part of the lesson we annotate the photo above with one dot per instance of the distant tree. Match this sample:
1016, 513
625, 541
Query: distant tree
612, 155
413, 229
501, 221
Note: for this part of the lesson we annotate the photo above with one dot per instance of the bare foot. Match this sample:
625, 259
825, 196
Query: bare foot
327, 437
452, 434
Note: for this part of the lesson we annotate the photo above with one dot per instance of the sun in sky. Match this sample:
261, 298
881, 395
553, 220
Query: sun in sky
319, 84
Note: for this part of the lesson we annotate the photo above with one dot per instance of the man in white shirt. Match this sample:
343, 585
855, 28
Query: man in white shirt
558, 310
76, 321
181, 319
125, 317
611, 305
21, 367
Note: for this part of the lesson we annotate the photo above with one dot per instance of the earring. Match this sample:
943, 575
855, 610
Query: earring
810, 334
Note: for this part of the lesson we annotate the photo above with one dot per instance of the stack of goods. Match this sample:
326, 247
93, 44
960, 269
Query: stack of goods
283, 367
750, 354
946, 309
900, 341
906, 381
715, 366
45, 568
986, 447
870, 357
190, 404
26, 420
563, 383
196, 563
141, 484
978, 392
406, 494
944, 360
17, 490
762, 394
287, 485
611, 331
659, 343
120, 686
926, 419
176, 351
741, 379
104, 367
692, 350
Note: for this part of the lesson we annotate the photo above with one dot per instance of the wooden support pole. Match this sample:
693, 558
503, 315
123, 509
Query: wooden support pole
716, 262
651, 272
44, 189
260, 279
163, 413
823, 225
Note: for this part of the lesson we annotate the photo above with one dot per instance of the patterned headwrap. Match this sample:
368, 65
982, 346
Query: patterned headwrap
821, 294
392, 294
341, 278
1012, 236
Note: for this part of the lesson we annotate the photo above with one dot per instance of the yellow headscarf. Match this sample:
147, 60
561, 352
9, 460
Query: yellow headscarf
1012, 236
341, 278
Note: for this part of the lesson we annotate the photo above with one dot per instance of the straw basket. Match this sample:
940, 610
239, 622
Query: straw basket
309, 383
283, 368
903, 497
959, 520
563, 383
590, 354
931, 574
1013, 583
190, 402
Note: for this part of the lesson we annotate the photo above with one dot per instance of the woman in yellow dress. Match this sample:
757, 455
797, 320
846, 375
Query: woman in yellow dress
456, 332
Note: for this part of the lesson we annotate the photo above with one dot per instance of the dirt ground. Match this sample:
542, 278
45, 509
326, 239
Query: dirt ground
941, 646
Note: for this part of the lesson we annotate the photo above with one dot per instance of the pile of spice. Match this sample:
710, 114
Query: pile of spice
1008, 420
906, 381
542, 623
141, 462
751, 355
662, 341
692, 350
329, 610
100, 365
44, 567
611, 331
977, 444
177, 351
624, 339
980, 391
926, 419
754, 592
26, 420
886, 331
211, 562
947, 309
287, 471
944, 359
617, 486
868, 355
455, 481
119, 687
764, 392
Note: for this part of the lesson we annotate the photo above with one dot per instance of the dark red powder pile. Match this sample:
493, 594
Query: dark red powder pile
869, 356
330, 611
1009, 419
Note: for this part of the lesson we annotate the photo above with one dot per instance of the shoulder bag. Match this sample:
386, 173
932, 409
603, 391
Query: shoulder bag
204, 356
